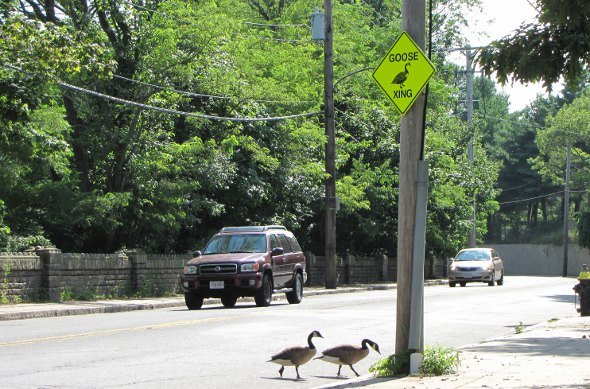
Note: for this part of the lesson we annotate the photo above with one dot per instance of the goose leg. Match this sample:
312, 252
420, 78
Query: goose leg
357, 374
297, 370
281, 370
339, 367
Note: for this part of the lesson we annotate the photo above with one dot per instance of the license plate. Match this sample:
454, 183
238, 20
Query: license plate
215, 284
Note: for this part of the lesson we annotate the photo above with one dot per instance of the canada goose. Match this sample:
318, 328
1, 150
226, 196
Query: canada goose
401, 77
296, 355
348, 354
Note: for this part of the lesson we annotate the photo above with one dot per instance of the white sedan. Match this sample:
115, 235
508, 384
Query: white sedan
476, 265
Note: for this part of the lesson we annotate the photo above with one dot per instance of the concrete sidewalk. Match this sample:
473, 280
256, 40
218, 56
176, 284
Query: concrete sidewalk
548, 355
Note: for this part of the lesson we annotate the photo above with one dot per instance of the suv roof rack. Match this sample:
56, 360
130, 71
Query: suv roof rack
252, 228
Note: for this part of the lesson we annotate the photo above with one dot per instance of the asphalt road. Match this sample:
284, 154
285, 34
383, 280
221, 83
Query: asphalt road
217, 347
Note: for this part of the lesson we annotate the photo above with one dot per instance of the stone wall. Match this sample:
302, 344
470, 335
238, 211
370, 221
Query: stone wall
20, 277
156, 274
352, 270
49, 274
358, 270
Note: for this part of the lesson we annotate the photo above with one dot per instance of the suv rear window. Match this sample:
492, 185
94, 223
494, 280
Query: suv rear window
294, 243
284, 242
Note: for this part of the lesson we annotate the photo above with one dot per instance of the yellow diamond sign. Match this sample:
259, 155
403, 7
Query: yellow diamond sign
403, 73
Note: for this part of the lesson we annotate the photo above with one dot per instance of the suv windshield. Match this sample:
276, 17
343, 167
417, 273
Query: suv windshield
238, 243
472, 256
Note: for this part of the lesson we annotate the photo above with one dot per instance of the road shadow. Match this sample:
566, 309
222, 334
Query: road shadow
243, 305
564, 298
538, 346
301, 380
367, 382
332, 377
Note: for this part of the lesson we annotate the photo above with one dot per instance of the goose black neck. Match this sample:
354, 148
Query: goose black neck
364, 343
309, 342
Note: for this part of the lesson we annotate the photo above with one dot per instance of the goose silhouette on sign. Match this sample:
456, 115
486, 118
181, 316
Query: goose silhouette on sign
401, 77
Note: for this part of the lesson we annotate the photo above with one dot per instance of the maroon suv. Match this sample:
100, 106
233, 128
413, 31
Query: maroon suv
252, 261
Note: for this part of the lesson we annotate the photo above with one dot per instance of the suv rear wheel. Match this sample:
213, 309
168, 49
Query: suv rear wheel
296, 295
264, 295
193, 301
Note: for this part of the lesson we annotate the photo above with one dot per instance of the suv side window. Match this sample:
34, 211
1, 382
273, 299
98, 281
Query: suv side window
294, 243
284, 243
274, 242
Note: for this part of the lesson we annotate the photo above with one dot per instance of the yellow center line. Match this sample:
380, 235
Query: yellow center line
113, 331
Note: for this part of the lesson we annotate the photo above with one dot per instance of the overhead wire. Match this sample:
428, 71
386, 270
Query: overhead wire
182, 113
540, 197
170, 110
193, 94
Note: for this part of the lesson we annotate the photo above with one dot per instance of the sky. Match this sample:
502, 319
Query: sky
499, 19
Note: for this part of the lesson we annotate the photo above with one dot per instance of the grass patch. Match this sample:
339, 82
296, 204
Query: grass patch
393, 366
437, 360
519, 328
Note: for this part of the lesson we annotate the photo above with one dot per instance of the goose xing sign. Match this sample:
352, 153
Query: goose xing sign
403, 73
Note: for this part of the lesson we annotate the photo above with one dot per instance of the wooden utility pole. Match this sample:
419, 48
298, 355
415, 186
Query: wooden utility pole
566, 208
411, 151
472, 240
330, 238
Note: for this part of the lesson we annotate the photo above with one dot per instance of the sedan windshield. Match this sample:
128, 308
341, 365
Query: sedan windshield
472, 255
238, 243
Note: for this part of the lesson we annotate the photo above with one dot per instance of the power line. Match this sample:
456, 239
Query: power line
182, 113
540, 197
520, 123
276, 25
294, 41
192, 94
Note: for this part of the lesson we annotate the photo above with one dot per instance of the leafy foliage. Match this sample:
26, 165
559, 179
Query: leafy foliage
394, 365
557, 46
96, 174
439, 360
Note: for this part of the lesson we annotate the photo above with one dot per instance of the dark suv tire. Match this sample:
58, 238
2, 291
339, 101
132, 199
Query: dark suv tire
296, 295
263, 297
229, 301
193, 301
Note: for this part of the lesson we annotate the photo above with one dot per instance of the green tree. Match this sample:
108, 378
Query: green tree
131, 175
558, 45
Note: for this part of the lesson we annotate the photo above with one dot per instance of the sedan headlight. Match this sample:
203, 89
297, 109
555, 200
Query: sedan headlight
190, 269
246, 267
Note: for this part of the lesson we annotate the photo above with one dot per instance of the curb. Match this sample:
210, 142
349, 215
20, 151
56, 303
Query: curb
33, 311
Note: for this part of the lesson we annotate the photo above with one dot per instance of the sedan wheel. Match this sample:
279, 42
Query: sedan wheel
493, 281
501, 280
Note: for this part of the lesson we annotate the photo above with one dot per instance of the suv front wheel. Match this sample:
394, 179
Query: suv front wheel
193, 301
264, 295
229, 301
296, 295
